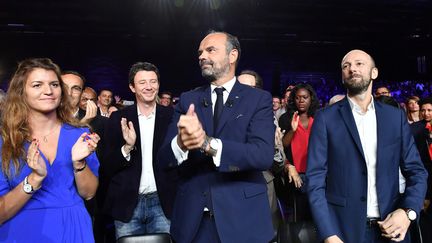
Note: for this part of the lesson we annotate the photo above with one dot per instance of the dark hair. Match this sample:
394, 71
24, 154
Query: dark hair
258, 79
427, 100
232, 43
76, 74
142, 66
291, 106
388, 100
166, 92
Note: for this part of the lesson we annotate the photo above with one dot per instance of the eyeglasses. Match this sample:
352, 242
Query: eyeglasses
76, 89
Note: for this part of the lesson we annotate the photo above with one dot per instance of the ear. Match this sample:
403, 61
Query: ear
374, 73
132, 88
233, 56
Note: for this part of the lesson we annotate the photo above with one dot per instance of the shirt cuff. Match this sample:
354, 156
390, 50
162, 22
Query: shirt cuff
179, 154
218, 155
126, 156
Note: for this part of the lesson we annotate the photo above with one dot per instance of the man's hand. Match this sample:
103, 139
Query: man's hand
129, 134
395, 225
333, 239
91, 112
190, 135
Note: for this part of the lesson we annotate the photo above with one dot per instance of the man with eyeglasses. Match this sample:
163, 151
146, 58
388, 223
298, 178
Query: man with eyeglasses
75, 84
165, 98
382, 90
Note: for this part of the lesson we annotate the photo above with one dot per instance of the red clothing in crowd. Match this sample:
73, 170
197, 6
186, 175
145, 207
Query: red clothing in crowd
299, 146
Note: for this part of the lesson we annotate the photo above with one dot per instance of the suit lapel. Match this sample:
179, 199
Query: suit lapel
346, 113
230, 106
132, 115
381, 130
204, 110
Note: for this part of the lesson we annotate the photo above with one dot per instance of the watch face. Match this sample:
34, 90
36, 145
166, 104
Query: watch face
213, 143
412, 215
28, 188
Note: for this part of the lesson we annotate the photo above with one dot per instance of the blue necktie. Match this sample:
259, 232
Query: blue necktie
218, 107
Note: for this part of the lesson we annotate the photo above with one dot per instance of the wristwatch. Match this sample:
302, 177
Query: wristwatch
27, 187
412, 215
212, 151
213, 147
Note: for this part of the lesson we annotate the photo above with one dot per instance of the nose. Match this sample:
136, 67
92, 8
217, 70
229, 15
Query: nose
202, 56
48, 89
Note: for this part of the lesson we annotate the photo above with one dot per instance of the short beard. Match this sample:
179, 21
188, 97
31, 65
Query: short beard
214, 73
356, 88
208, 75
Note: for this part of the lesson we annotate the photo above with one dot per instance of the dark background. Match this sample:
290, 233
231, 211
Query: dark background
285, 41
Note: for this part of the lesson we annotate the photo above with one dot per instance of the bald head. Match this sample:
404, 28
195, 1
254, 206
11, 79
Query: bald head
357, 52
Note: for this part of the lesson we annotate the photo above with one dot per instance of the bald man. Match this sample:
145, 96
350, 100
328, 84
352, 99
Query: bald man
355, 151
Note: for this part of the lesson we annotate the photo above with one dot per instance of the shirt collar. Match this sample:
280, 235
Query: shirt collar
357, 108
149, 116
228, 85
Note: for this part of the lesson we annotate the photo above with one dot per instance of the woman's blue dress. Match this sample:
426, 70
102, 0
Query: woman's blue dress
55, 212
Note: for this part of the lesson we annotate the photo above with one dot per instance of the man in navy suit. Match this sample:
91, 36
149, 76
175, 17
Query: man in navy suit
355, 151
139, 197
220, 154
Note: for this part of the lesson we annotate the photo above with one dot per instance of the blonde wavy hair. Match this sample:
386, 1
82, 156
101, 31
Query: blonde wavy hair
15, 130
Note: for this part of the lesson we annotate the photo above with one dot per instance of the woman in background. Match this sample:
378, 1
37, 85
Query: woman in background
297, 124
47, 162
413, 109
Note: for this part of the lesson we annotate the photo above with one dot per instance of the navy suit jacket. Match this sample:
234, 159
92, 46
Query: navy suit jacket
337, 174
421, 137
236, 190
124, 176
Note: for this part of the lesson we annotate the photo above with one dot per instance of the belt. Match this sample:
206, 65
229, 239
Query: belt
372, 222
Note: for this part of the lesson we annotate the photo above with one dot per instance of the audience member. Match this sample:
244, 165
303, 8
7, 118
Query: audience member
105, 99
88, 94
221, 139
297, 124
75, 84
382, 90
251, 78
139, 196
48, 164
165, 98
413, 109
422, 131
276, 101
284, 100
355, 151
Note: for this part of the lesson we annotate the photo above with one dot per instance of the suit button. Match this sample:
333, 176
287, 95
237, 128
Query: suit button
362, 199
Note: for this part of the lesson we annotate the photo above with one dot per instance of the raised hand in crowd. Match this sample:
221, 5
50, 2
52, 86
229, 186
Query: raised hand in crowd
129, 134
91, 111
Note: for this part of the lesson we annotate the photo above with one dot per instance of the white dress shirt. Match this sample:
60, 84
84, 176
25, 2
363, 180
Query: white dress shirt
179, 154
367, 129
146, 129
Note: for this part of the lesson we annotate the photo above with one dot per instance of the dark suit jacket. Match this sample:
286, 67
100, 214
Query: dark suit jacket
235, 191
337, 173
421, 136
123, 189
